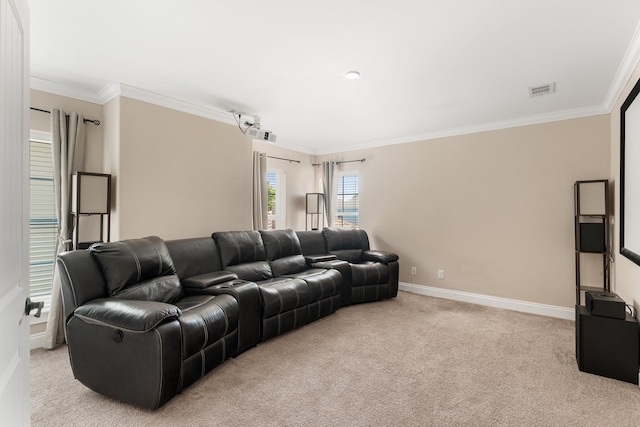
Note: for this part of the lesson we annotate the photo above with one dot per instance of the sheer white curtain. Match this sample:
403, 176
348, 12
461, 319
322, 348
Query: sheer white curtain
327, 184
259, 190
67, 144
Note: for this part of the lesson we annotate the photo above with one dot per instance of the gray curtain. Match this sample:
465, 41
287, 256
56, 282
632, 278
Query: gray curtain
67, 144
259, 191
327, 184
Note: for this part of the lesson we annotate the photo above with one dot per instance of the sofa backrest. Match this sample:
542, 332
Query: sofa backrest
311, 242
81, 279
242, 253
346, 243
283, 251
138, 269
194, 256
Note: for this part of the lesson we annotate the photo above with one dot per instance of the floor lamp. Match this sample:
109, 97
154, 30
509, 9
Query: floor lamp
315, 211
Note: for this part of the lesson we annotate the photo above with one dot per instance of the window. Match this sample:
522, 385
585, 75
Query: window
276, 202
348, 203
43, 224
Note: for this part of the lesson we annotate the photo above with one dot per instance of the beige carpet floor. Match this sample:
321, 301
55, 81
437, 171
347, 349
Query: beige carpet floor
410, 361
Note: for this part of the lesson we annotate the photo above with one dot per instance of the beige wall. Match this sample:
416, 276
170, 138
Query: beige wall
625, 274
493, 209
299, 179
178, 175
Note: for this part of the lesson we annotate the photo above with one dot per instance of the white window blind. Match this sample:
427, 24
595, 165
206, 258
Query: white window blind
348, 201
276, 206
43, 224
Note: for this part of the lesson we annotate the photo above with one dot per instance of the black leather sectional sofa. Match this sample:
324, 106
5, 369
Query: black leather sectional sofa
146, 318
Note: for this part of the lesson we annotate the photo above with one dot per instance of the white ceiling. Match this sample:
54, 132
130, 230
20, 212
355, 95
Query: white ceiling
429, 67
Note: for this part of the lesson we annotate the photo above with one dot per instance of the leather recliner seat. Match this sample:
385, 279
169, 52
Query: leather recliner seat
371, 275
287, 298
132, 333
374, 273
284, 254
197, 264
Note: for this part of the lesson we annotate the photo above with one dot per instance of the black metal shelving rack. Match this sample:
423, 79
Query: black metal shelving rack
592, 230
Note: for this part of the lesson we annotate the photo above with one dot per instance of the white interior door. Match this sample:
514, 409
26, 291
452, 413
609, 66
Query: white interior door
14, 211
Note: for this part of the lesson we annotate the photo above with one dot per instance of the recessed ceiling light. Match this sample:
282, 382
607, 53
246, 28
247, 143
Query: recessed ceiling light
352, 75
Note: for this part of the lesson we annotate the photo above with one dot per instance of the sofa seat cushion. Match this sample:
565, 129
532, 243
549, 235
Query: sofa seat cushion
306, 273
282, 294
369, 273
206, 319
323, 285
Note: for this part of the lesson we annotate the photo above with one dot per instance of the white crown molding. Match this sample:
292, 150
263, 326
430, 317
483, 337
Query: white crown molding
176, 104
107, 93
62, 89
113, 90
627, 66
484, 127
490, 301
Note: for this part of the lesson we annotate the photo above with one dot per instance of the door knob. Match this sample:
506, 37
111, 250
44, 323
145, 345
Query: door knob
29, 306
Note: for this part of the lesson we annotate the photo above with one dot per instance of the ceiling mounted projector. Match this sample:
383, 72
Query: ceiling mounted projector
253, 129
263, 135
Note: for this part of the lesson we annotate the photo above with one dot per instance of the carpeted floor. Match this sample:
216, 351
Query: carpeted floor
410, 361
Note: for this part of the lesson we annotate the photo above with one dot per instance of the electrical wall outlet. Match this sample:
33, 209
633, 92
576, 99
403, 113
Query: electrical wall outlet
441, 274
414, 271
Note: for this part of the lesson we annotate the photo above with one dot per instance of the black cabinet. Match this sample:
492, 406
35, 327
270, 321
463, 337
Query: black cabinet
607, 346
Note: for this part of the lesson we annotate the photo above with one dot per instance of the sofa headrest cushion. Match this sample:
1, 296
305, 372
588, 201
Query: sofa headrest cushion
127, 262
238, 247
345, 238
311, 242
194, 256
280, 243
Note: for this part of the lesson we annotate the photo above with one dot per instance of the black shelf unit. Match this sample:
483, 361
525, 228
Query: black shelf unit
592, 229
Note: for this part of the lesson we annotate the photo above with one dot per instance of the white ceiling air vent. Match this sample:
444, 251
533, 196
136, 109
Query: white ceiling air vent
542, 90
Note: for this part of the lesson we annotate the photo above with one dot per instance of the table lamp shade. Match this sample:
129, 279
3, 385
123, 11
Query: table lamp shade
90, 193
315, 203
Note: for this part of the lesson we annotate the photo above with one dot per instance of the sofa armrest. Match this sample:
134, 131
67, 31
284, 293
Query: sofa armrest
129, 315
384, 257
311, 259
206, 280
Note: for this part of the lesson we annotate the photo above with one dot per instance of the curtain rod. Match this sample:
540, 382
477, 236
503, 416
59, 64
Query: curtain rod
339, 163
94, 121
282, 158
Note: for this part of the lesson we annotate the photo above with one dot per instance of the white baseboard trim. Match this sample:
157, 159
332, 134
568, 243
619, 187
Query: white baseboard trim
509, 304
37, 340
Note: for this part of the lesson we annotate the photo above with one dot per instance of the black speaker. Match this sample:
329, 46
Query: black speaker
592, 237
607, 346
605, 304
